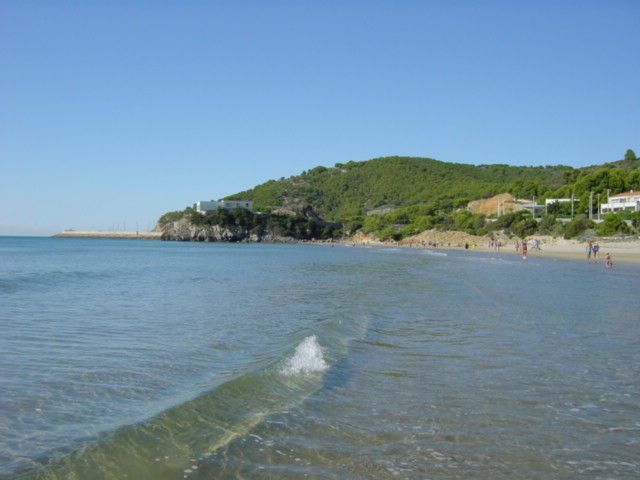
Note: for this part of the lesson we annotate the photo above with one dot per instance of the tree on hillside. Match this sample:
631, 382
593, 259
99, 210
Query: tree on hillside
634, 180
630, 155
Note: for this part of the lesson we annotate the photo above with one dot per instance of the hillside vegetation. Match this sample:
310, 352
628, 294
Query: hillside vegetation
352, 189
397, 197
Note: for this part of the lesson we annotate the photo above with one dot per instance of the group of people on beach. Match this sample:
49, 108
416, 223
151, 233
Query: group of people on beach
523, 247
424, 244
495, 245
592, 250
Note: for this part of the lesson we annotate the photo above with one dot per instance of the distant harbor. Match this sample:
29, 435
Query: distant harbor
109, 234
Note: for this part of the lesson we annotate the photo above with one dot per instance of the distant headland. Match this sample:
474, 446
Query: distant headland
396, 198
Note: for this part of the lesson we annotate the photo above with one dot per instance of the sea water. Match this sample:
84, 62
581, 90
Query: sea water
152, 360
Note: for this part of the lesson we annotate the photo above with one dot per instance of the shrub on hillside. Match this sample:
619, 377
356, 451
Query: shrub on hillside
577, 226
524, 227
372, 223
466, 221
173, 216
559, 209
505, 221
633, 216
424, 222
549, 225
351, 224
612, 224
388, 233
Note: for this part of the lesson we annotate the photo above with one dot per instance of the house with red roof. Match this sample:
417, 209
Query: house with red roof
622, 201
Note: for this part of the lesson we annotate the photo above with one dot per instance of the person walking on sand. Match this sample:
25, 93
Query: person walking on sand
607, 260
589, 249
596, 249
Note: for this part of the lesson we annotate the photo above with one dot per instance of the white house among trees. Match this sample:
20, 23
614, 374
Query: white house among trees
622, 201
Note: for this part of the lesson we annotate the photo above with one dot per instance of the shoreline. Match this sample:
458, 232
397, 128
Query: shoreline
619, 254
622, 251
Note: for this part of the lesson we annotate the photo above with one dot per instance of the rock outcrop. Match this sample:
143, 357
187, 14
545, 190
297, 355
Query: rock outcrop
499, 204
184, 231
445, 239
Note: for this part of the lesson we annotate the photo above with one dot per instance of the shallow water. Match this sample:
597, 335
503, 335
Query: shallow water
145, 359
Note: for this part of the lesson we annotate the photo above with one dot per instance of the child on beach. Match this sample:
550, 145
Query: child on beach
607, 260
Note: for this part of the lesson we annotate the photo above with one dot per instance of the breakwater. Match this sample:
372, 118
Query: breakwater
102, 234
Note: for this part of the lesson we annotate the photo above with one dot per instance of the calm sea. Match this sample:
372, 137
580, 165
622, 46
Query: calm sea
152, 360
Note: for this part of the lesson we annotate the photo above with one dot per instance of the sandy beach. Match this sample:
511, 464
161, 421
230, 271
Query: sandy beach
621, 251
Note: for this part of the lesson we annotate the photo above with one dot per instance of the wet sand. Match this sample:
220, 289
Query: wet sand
622, 251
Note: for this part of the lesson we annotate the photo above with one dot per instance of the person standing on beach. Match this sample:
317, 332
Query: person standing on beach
524, 249
596, 249
589, 249
607, 260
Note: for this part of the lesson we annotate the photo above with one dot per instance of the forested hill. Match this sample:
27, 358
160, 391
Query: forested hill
352, 189
396, 197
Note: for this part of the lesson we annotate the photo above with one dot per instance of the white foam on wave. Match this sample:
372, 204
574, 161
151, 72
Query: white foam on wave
436, 254
306, 359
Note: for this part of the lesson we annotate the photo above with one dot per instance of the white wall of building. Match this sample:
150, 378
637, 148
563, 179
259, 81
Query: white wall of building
230, 204
205, 206
549, 201
617, 203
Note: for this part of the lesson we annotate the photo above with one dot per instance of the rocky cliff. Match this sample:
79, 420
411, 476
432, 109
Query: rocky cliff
184, 231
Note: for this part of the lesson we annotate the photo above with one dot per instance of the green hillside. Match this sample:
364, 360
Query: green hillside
396, 197
352, 189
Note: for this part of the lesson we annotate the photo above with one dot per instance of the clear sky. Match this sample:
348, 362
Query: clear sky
114, 112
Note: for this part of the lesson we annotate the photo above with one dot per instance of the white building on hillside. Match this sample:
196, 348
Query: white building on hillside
205, 206
549, 201
622, 201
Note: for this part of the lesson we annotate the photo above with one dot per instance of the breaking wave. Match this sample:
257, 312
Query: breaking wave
163, 446
306, 359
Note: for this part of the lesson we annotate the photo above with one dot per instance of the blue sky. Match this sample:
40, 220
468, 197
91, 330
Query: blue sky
114, 112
